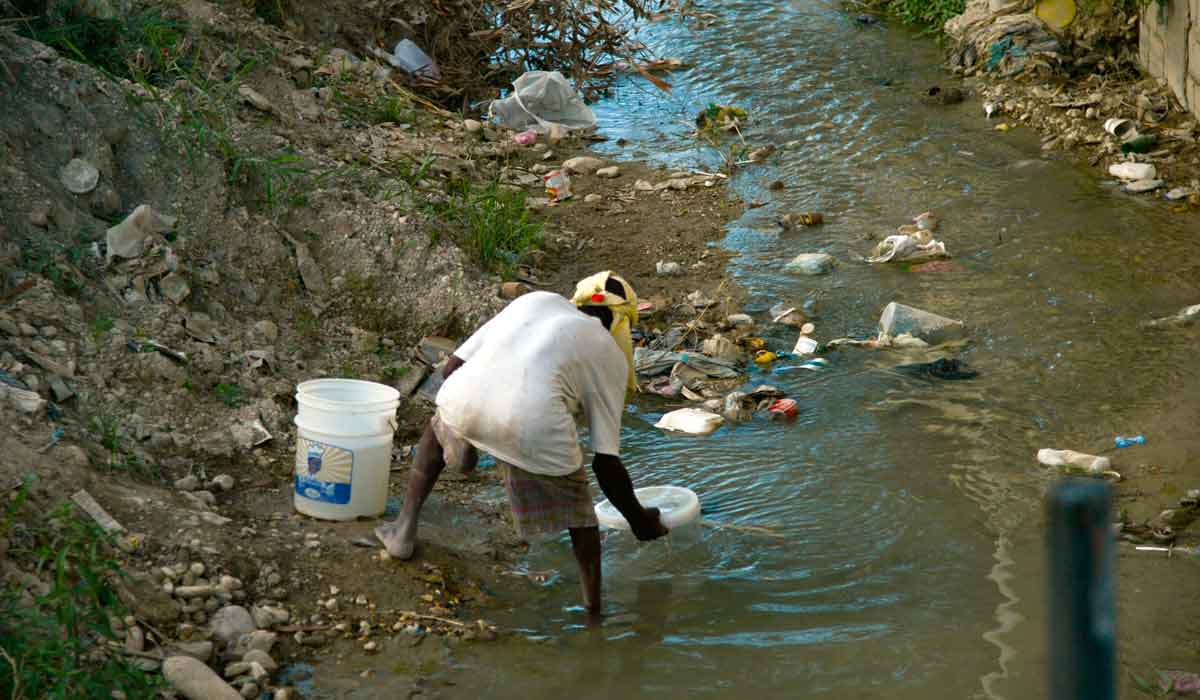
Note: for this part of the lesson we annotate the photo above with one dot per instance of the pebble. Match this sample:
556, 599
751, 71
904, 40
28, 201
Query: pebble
197, 568
255, 98
187, 483
370, 647
195, 681
584, 165
668, 269
739, 320
261, 658
593, 198
40, 216
267, 617
237, 668
250, 691
643, 186
811, 264
201, 650
224, 482
472, 126
609, 172
231, 622
135, 639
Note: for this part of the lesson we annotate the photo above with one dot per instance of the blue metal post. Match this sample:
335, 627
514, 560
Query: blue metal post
1082, 603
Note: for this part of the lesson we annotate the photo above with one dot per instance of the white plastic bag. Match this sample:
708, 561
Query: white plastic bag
901, 246
690, 420
539, 101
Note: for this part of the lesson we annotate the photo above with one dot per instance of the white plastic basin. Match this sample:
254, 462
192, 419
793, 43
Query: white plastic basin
677, 506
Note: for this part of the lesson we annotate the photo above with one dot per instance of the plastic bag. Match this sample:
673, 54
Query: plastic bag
558, 185
690, 420
410, 58
916, 246
541, 100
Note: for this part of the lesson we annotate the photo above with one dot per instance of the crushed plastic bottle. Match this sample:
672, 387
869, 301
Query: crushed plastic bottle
1121, 441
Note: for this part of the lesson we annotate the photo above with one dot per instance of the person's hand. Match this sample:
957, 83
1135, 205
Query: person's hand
649, 527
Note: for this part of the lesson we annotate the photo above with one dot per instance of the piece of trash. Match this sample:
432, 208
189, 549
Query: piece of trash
788, 315
558, 185
1132, 171
765, 357
525, 138
1123, 129
720, 347
128, 238
990, 108
668, 269
1139, 186
365, 542
651, 363
926, 221
148, 345
392, 508
690, 420
919, 245
942, 368
1121, 441
1140, 144
79, 176
898, 319
54, 438
84, 500
807, 218
1075, 461
409, 57
784, 408
805, 346
1177, 193
677, 506
1189, 315
539, 101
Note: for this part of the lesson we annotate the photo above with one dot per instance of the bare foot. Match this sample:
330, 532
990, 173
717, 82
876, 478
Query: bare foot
398, 539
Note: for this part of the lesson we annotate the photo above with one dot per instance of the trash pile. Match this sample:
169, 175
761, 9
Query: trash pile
911, 242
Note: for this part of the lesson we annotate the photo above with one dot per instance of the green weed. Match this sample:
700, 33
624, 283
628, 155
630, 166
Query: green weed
55, 261
57, 641
926, 13
230, 394
101, 326
377, 109
142, 46
490, 222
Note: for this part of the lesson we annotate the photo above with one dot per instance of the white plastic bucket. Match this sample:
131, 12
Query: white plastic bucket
343, 448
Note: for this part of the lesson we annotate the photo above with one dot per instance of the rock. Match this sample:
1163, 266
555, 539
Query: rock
261, 658
25, 401
135, 639
79, 176
175, 288
255, 99
128, 238
739, 320
364, 341
472, 126
584, 165
679, 184
643, 186
224, 482
512, 290
898, 319
788, 315
146, 599
593, 198
199, 326
1139, 186
187, 483
310, 271
609, 172
811, 264
1132, 171
60, 389
231, 622
39, 216
250, 691
267, 330
195, 681
237, 668
200, 649
260, 640
266, 617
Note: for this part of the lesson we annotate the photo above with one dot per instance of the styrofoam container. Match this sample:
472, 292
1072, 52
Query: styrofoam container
677, 506
343, 448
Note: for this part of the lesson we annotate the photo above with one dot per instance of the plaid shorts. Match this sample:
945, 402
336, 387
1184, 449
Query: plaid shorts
540, 503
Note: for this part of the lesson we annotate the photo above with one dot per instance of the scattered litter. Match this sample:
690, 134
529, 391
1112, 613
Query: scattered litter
525, 138
690, 420
1177, 193
1189, 315
1078, 462
784, 408
651, 363
677, 506
539, 101
668, 269
788, 315
764, 357
918, 245
808, 218
805, 346
1132, 171
409, 57
558, 185
1140, 144
128, 238
1122, 441
150, 345
1139, 186
84, 500
1123, 129
720, 117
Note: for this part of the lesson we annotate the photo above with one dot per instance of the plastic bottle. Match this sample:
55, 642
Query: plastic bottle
1122, 441
409, 57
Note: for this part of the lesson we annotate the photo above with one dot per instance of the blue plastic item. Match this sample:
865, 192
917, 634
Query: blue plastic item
1121, 441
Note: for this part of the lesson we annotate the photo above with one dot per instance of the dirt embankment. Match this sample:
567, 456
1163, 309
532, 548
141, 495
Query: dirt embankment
295, 226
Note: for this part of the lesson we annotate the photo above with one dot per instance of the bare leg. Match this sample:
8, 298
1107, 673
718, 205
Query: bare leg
586, 543
400, 535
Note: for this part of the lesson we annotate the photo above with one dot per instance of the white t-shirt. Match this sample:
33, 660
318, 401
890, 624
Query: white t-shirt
528, 372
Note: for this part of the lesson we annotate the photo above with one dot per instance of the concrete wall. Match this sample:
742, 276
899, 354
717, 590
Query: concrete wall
1169, 43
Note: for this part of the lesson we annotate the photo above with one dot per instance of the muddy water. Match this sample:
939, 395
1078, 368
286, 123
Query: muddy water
907, 561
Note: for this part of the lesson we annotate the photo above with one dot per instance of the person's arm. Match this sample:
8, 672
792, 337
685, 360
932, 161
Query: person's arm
452, 364
618, 488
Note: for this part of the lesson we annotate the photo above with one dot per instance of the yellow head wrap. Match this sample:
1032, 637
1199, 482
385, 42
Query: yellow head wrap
592, 292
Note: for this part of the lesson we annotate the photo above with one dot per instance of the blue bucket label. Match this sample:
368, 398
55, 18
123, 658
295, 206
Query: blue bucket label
323, 472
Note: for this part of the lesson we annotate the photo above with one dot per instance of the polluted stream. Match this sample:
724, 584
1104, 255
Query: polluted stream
888, 542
